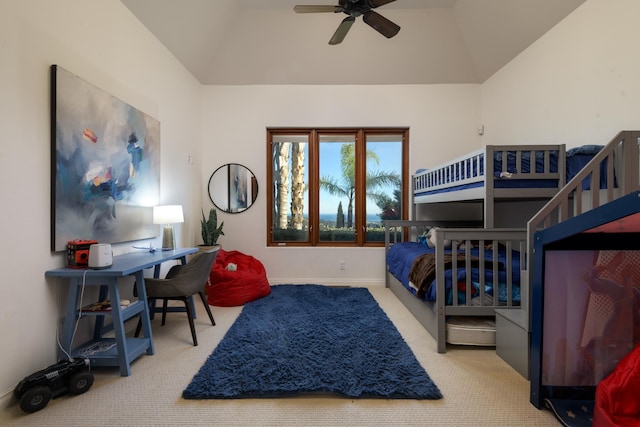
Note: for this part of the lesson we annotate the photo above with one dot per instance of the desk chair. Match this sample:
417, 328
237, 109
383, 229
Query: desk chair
181, 283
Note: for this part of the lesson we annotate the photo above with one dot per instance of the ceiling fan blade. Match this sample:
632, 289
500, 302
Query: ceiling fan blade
377, 3
342, 30
316, 9
381, 24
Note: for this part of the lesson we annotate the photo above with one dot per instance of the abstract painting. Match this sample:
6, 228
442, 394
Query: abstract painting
105, 165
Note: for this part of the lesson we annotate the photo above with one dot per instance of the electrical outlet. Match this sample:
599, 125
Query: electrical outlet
342, 265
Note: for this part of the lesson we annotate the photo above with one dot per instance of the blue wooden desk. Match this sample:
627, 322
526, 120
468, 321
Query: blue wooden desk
119, 351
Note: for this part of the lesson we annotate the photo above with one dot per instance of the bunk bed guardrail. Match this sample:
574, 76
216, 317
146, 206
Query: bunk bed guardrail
493, 172
515, 162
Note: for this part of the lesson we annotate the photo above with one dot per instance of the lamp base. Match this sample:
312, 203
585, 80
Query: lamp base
168, 238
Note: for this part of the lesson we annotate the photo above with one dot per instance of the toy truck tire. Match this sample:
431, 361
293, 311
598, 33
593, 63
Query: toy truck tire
35, 398
80, 383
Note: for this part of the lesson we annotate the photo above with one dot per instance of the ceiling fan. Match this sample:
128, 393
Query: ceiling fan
355, 8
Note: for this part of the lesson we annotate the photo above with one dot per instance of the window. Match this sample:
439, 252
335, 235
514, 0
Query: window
334, 187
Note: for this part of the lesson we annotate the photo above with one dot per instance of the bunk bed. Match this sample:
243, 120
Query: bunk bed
531, 172
454, 288
492, 174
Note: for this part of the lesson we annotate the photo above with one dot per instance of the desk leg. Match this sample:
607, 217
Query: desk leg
118, 328
70, 319
98, 329
152, 302
144, 315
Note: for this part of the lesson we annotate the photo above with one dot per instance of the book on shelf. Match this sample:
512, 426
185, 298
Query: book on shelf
105, 305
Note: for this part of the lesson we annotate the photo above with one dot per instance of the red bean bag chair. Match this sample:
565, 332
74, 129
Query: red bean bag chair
618, 394
236, 279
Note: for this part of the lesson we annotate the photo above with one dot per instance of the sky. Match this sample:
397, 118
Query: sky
390, 159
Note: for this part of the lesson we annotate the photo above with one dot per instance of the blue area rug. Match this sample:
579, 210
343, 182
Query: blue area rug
308, 339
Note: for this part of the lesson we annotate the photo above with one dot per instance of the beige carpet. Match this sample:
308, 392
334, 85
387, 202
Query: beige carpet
479, 388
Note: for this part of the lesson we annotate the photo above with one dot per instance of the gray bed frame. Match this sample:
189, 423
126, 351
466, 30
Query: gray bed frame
433, 314
622, 155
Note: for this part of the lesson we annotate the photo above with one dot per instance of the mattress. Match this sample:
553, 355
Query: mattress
478, 331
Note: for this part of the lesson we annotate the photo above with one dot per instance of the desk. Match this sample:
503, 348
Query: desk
125, 349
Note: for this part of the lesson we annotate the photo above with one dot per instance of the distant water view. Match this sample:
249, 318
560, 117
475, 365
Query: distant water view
332, 218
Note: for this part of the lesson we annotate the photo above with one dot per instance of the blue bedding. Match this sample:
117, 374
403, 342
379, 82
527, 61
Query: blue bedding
578, 157
400, 260
526, 162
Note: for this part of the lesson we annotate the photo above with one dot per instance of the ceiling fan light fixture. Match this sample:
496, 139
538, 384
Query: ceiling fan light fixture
355, 8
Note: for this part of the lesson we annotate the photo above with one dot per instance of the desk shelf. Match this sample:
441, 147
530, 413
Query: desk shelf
127, 312
125, 349
109, 357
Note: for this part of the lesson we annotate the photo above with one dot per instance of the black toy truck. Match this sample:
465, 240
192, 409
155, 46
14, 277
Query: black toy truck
66, 376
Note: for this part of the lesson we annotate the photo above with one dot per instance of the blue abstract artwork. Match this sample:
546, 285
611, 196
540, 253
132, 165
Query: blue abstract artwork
105, 165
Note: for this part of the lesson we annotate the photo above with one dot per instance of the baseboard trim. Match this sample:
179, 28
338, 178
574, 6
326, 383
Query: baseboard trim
324, 281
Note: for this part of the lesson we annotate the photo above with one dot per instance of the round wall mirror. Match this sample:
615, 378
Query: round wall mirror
233, 188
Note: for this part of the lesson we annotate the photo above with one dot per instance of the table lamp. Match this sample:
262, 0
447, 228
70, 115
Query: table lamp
168, 215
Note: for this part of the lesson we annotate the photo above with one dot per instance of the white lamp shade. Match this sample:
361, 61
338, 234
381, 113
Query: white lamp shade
168, 214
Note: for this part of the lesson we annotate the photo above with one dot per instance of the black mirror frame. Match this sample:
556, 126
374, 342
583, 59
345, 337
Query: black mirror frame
246, 191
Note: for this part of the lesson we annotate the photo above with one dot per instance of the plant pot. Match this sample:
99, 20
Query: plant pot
206, 247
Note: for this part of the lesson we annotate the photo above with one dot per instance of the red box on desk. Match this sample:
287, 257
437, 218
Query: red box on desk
78, 253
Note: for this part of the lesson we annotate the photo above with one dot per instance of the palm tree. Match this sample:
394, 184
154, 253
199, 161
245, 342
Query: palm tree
281, 160
289, 168
345, 187
297, 185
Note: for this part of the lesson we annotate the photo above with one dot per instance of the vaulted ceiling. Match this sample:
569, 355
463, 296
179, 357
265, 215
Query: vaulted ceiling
243, 42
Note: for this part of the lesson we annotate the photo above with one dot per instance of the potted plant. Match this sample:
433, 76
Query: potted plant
210, 228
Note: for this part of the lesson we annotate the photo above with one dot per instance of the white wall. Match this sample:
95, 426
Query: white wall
442, 119
100, 41
578, 84
575, 85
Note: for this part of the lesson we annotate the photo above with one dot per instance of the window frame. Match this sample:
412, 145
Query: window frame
313, 162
